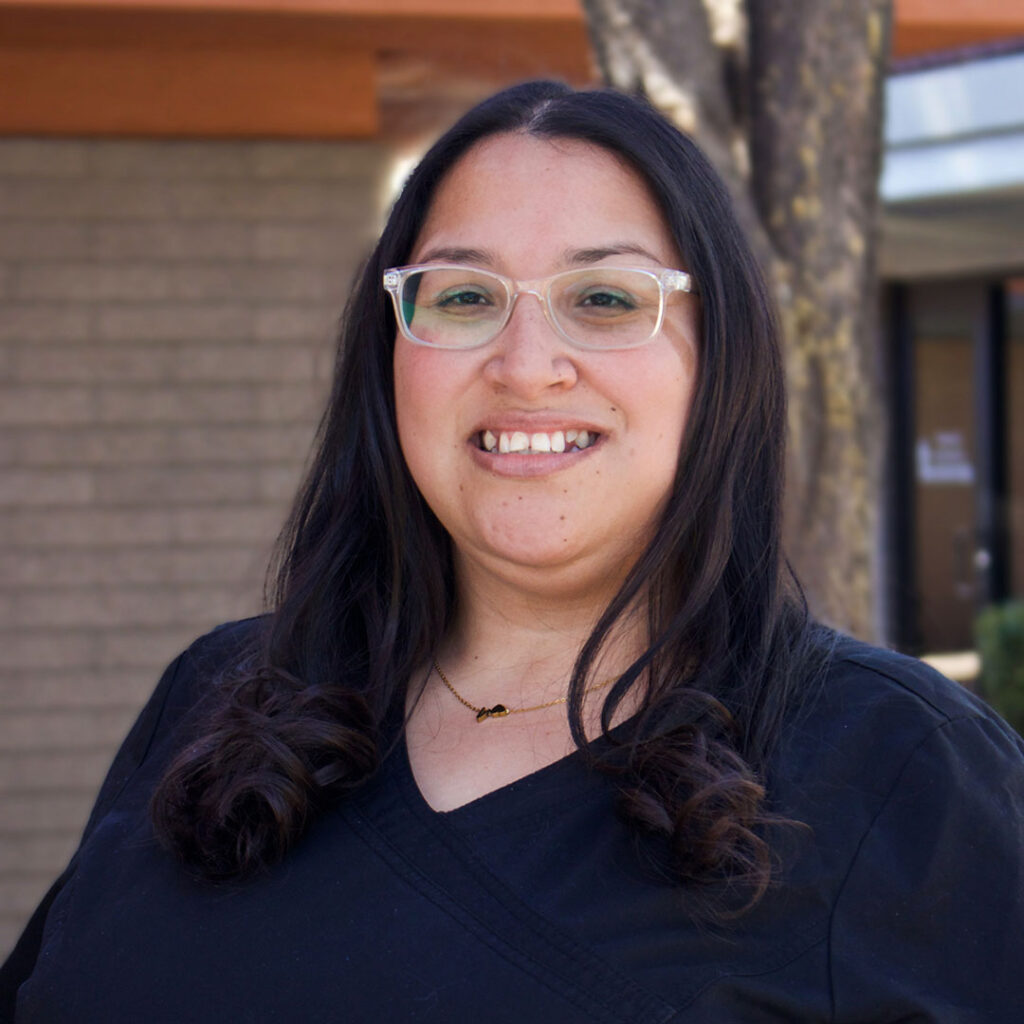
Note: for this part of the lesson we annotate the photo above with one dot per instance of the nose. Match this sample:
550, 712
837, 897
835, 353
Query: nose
529, 355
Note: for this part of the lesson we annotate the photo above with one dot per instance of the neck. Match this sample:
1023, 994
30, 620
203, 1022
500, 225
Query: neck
510, 645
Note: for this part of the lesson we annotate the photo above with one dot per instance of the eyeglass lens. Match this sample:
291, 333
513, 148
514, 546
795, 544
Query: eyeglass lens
596, 307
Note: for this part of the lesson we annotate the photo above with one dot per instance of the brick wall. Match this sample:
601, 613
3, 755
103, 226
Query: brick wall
166, 316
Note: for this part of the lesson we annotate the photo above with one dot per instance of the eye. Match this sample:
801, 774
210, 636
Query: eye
611, 299
463, 296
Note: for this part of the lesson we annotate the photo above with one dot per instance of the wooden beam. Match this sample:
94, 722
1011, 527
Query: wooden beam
518, 10
498, 34
284, 70
158, 89
927, 26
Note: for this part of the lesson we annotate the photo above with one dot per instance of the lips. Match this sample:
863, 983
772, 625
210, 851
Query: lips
516, 442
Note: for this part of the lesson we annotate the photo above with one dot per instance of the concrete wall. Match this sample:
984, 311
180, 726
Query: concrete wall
167, 311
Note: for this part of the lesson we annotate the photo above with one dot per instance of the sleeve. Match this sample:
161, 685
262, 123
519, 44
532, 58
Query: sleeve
929, 925
151, 720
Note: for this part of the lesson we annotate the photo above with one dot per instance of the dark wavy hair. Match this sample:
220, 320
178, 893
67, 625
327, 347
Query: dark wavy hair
364, 587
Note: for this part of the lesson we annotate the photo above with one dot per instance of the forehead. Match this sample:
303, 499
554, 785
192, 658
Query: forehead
520, 194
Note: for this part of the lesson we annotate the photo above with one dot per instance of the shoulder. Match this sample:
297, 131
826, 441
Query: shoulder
914, 791
187, 682
885, 751
197, 670
888, 675
193, 676
226, 648
226, 645
871, 710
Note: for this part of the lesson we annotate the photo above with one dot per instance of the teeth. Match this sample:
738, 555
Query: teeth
517, 441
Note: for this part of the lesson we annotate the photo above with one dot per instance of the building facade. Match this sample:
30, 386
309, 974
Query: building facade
953, 261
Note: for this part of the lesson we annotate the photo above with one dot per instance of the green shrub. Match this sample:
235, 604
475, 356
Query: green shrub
1000, 634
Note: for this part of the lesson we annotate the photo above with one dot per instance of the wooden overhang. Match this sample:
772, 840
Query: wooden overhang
930, 26
315, 68
307, 68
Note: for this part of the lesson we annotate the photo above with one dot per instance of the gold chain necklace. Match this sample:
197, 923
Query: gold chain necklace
500, 710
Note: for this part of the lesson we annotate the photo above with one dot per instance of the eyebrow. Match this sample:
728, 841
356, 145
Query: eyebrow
588, 256
462, 254
457, 254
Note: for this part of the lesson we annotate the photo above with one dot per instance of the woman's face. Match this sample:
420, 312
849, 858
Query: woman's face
568, 521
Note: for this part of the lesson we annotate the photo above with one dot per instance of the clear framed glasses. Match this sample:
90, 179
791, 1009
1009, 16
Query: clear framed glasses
447, 305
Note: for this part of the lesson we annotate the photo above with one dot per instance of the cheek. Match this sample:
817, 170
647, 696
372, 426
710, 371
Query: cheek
410, 414
410, 411
660, 394
405, 395
426, 385
685, 385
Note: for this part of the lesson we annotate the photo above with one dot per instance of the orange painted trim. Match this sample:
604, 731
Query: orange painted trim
959, 13
168, 91
559, 46
520, 10
916, 41
84, 70
929, 26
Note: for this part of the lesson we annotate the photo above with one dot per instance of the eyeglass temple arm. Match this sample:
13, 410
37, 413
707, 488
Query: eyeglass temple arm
678, 281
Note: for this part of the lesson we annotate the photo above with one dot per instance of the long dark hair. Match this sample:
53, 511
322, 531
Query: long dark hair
364, 587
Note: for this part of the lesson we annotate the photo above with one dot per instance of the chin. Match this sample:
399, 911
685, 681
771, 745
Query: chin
595, 561
541, 551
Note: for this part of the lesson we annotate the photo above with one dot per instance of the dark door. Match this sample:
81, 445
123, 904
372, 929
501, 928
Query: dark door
958, 471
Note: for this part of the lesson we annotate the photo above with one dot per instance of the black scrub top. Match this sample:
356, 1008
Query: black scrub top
903, 899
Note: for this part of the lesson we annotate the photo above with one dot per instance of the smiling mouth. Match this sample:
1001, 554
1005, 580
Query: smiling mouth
519, 442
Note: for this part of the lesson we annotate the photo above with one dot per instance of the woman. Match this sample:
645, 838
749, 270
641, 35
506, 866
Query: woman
538, 729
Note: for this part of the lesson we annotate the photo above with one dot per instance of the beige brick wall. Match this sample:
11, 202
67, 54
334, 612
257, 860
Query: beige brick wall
166, 316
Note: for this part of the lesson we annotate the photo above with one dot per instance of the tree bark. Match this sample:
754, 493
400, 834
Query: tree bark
786, 100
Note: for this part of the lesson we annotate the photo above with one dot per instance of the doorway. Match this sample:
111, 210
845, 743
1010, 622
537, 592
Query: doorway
957, 472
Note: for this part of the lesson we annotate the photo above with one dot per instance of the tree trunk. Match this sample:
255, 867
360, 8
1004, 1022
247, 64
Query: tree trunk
786, 100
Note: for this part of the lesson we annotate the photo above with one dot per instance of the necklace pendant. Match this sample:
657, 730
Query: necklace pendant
498, 711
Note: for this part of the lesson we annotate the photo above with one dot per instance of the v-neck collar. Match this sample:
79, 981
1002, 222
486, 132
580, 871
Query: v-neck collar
432, 850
